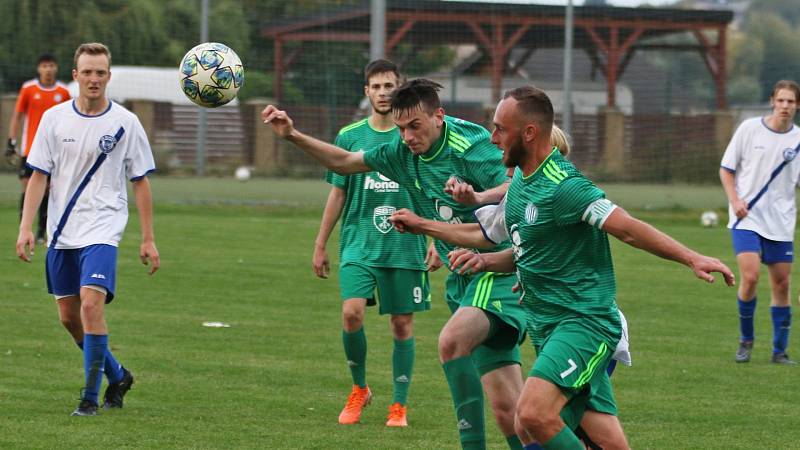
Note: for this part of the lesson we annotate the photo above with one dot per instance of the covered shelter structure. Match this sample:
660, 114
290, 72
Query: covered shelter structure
610, 36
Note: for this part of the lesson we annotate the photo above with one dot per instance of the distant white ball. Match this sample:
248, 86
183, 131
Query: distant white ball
709, 219
242, 173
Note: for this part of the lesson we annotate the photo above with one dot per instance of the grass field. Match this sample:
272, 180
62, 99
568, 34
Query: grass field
276, 379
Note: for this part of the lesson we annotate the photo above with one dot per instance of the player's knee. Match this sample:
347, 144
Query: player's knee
402, 326
504, 413
91, 311
450, 347
71, 323
352, 321
533, 419
749, 279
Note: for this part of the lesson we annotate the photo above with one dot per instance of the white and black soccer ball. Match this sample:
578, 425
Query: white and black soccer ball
709, 219
211, 74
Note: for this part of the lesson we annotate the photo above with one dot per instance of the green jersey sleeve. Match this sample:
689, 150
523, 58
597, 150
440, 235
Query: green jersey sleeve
572, 198
390, 160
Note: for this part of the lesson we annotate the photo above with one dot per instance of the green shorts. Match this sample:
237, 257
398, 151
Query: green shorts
492, 293
399, 291
574, 357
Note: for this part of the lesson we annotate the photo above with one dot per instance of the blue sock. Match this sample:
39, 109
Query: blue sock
94, 355
746, 312
533, 446
611, 366
781, 323
112, 368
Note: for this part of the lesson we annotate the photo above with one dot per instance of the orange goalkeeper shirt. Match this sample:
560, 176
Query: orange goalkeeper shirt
34, 99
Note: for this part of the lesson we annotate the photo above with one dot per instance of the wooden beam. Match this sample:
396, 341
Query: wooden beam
326, 36
398, 35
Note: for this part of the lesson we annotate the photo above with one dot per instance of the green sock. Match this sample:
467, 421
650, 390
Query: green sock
467, 392
564, 440
514, 442
402, 368
355, 349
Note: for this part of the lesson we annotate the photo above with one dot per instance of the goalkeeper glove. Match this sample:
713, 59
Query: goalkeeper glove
11, 149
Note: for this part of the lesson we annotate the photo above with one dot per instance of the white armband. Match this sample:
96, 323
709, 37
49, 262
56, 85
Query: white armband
597, 212
492, 219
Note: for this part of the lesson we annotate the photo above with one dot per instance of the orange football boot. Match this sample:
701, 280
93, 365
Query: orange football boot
397, 416
358, 399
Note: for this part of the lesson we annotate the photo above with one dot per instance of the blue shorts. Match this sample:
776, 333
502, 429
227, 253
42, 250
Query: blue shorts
771, 252
69, 269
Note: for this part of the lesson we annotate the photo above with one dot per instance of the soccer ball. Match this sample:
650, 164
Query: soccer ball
709, 219
211, 74
242, 173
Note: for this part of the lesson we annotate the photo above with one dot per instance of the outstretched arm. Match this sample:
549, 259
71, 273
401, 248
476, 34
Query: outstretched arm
333, 209
334, 158
144, 204
641, 235
461, 234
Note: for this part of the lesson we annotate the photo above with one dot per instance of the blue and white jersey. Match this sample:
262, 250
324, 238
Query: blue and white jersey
753, 156
67, 147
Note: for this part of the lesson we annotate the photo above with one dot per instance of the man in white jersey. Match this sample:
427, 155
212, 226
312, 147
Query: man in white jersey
759, 174
89, 147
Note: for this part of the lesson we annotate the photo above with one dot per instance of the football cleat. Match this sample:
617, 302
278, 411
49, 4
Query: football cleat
358, 399
782, 358
744, 351
397, 416
115, 392
85, 408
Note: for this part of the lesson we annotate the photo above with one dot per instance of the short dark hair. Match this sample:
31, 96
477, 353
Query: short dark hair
380, 66
417, 93
46, 57
788, 85
535, 104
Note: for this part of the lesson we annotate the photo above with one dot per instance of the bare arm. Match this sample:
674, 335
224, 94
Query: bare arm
461, 234
144, 204
334, 158
729, 185
13, 126
33, 198
641, 235
466, 261
464, 193
333, 209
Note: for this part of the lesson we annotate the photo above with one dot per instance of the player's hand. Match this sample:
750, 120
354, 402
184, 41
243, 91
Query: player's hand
461, 191
11, 150
149, 252
406, 221
465, 261
25, 245
432, 260
740, 208
320, 262
703, 266
281, 123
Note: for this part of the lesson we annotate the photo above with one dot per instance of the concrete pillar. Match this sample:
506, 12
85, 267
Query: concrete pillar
614, 142
723, 130
261, 147
145, 110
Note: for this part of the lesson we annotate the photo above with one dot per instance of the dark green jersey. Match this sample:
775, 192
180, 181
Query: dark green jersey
554, 218
463, 150
367, 236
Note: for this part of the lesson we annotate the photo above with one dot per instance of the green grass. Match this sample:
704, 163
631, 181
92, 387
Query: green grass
240, 253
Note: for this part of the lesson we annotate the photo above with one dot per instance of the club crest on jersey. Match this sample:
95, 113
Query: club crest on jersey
516, 241
789, 154
445, 212
380, 218
107, 143
531, 213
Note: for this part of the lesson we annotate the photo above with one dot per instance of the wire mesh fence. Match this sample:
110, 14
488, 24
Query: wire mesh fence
657, 91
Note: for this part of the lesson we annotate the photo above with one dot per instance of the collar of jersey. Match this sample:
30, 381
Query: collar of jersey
764, 122
440, 143
45, 88
75, 108
539, 169
379, 131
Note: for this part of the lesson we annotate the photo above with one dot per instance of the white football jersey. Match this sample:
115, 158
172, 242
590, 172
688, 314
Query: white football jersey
753, 155
67, 146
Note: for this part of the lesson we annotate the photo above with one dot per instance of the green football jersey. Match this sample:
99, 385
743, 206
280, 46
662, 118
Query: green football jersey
366, 235
554, 218
463, 150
